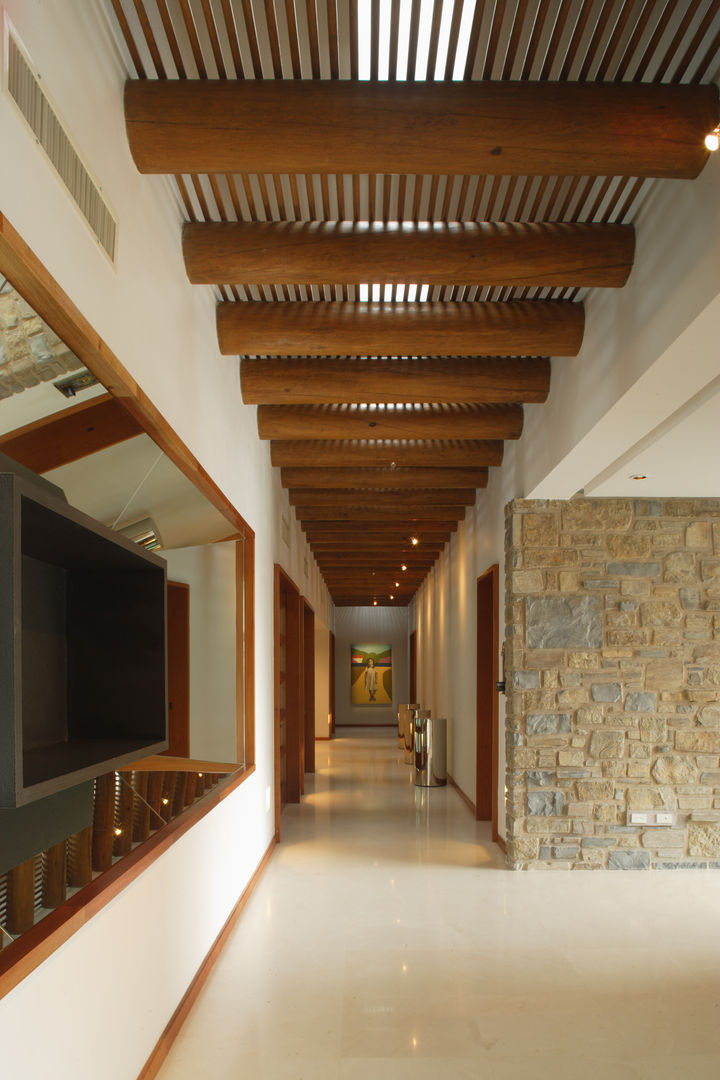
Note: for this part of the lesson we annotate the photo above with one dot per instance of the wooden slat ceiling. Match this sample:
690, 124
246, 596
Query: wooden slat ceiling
394, 254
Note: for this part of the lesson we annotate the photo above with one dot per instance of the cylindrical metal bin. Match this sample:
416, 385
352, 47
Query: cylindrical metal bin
430, 750
409, 733
404, 722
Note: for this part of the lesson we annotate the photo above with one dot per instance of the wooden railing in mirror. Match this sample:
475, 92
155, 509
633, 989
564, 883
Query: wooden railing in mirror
161, 498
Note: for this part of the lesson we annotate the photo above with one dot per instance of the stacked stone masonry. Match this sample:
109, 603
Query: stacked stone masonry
612, 662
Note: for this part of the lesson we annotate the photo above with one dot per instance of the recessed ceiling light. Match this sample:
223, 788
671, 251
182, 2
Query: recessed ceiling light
639, 476
403, 567
712, 139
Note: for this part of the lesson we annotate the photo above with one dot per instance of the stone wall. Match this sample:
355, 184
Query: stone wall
612, 669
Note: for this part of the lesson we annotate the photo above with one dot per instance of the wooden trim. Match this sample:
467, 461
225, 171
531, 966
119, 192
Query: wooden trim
165, 763
21, 957
465, 798
178, 1018
500, 841
322, 738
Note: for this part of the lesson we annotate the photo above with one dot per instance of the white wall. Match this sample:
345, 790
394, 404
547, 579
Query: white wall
355, 626
210, 573
129, 967
648, 348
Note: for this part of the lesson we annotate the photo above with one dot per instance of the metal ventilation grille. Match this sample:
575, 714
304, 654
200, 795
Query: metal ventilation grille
27, 94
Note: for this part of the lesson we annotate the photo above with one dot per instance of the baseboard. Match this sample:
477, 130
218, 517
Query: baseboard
465, 798
499, 840
171, 1032
322, 738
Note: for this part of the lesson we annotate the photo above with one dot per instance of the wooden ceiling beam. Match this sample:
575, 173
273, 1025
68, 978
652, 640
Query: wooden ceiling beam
396, 551
384, 478
71, 434
545, 254
385, 453
367, 328
317, 497
485, 128
298, 380
390, 422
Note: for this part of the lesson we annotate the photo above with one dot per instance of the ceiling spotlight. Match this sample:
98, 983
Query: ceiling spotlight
397, 584
639, 476
712, 140
414, 541
403, 567
391, 596
374, 603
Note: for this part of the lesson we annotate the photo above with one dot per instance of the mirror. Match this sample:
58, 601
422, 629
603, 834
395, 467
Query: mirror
57, 419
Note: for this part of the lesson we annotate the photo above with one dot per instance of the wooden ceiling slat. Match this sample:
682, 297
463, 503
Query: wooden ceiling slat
214, 39
453, 38
493, 39
200, 196
129, 39
249, 24
232, 36
648, 8
473, 380
708, 61
710, 18
502, 253
413, 35
312, 25
272, 36
434, 41
353, 27
515, 36
421, 477
333, 39
566, 7
150, 41
474, 41
401, 329
191, 30
671, 51
346, 453
535, 38
620, 27
651, 48
186, 200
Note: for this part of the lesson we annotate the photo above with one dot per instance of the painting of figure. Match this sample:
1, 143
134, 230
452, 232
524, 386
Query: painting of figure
371, 674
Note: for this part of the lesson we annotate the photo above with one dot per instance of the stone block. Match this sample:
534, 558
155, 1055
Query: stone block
629, 860
644, 798
629, 545
601, 583
640, 701
664, 674
548, 723
607, 813
540, 777
564, 622
597, 515
525, 680
707, 653
522, 848
573, 696
702, 742
590, 714
544, 826
569, 581
634, 569
627, 637
638, 770
527, 581
710, 570
652, 729
580, 810
540, 530
595, 790
545, 803
698, 535
663, 838
703, 839
570, 678
585, 660
571, 772
690, 599
566, 851
609, 691
521, 757
680, 566
695, 802
570, 757
607, 744
673, 769
660, 613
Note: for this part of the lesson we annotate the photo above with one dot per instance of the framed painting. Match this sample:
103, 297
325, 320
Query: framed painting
371, 674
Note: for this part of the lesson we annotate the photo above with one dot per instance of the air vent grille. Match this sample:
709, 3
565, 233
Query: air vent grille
25, 90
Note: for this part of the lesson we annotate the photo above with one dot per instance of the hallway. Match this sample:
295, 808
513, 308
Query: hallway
386, 940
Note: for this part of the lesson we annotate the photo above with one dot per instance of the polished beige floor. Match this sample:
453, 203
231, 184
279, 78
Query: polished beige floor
387, 941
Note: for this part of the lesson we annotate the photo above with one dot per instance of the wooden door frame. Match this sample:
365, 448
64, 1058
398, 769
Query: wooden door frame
412, 666
293, 692
331, 688
178, 633
487, 734
308, 676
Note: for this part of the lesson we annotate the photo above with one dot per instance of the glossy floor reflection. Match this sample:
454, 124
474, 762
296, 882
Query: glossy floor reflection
386, 940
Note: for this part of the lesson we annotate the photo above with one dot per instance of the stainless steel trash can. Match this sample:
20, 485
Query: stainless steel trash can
404, 721
409, 733
430, 749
